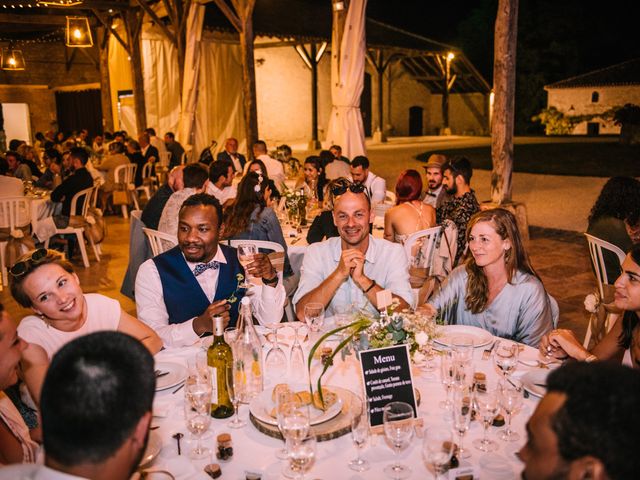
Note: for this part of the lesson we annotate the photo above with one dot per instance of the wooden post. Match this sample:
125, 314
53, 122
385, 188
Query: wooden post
240, 14
504, 87
133, 23
105, 85
314, 97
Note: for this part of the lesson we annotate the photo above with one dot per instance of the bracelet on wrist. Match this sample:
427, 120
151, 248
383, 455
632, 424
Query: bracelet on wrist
373, 282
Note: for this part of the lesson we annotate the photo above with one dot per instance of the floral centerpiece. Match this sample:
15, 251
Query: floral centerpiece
416, 329
295, 202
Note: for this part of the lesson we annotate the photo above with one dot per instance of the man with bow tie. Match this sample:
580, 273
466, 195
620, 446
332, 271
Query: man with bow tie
435, 195
179, 291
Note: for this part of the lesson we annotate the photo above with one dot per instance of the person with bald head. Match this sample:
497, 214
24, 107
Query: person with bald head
230, 154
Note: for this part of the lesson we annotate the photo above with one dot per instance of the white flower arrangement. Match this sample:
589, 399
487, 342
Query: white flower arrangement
592, 302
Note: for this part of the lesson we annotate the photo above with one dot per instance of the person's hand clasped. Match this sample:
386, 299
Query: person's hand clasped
562, 343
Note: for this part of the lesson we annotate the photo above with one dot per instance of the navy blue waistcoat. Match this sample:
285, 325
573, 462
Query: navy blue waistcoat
183, 296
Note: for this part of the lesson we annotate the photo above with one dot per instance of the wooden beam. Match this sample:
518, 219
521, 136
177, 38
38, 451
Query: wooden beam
93, 60
230, 14
95, 4
68, 59
112, 31
133, 20
105, 84
149, 11
57, 20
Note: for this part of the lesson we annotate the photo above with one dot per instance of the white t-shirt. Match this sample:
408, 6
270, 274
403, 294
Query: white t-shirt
103, 313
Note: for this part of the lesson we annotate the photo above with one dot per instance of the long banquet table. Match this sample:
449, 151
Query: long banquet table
254, 451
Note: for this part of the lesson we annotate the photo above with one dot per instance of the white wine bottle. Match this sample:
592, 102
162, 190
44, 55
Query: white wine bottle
219, 358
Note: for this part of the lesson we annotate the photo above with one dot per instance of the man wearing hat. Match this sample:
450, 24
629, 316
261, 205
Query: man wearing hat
436, 194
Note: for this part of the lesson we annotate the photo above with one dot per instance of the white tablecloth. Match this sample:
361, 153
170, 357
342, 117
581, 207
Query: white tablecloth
255, 451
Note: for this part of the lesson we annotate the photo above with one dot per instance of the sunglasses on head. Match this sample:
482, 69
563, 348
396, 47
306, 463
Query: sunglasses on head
341, 188
21, 268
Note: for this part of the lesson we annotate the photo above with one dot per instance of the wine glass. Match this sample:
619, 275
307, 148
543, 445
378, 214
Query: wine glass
447, 375
505, 356
285, 400
295, 427
487, 403
437, 448
462, 348
359, 434
510, 397
236, 383
314, 316
297, 364
275, 363
302, 454
397, 418
197, 414
246, 251
462, 407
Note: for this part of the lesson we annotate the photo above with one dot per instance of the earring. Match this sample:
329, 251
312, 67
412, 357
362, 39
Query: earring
45, 320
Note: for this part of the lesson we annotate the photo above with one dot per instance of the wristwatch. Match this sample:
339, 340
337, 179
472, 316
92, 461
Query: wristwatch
271, 281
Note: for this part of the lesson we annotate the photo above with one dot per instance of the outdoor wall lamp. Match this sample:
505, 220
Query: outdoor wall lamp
12, 59
78, 32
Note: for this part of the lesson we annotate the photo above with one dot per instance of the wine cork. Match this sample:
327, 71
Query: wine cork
213, 470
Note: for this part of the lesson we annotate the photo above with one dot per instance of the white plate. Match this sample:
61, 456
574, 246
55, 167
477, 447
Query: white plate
532, 380
177, 374
262, 405
447, 332
154, 445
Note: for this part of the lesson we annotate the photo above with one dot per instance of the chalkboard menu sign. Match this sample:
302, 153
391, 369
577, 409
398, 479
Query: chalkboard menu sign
387, 378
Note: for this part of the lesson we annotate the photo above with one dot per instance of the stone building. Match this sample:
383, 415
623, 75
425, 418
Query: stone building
596, 92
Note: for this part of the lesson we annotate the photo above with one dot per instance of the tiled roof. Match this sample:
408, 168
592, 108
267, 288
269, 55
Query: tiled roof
625, 73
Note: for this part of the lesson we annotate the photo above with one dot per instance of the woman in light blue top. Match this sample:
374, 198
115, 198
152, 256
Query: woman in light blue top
496, 288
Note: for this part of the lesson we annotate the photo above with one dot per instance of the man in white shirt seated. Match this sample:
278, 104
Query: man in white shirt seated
221, 182
158, 143
352, 268
96, 410
275, 169
376, 186
181, 290
195, 179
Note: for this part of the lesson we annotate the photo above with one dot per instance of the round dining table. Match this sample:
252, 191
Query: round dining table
254, 451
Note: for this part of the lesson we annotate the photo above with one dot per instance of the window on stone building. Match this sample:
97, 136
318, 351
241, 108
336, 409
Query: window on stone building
595, 96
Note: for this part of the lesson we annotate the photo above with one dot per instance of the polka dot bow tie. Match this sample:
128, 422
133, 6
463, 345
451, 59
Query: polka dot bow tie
203, 267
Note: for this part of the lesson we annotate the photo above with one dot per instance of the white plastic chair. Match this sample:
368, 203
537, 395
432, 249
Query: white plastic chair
424, 255
149, 182
125, 175
390, 197
15, 213
165, 159
278, 265
596, 246
186, 157
85, 196
159, 242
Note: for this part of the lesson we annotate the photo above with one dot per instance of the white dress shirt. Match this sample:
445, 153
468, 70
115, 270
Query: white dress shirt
431, 196
31, 471
159, 144
267, 302
377, 187
275, 170
223, 194
386, 264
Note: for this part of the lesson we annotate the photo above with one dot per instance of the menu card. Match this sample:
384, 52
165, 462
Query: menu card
387, 378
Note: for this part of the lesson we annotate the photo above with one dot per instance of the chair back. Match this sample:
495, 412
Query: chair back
420, 247
390, 197
159, 241
596, 246
147, 168
165, 159
83, 196
15, 212
186, 156
125, 174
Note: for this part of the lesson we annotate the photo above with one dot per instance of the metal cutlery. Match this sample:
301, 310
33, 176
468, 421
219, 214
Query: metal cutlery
487, 353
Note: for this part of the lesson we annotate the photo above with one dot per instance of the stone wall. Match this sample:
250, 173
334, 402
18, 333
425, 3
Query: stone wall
577, 101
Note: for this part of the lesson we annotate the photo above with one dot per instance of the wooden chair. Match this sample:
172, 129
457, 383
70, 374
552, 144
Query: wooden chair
277, 260
78, 231
125, 177
159, 242
596, 247
15, 213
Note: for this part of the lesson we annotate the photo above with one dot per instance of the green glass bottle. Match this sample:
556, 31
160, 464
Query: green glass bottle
219, 358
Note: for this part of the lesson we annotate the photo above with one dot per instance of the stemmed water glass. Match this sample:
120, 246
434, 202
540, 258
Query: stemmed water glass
275, 363
462, 407
297, 366
397, 418
295, 427
437, 448
505, 356
302, 454
510, 397
447, 376
236, 385
287, 405
487, 403
359, 434
246, 252
197, 412
314, 316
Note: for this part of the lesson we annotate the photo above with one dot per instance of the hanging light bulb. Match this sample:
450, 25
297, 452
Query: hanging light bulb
12, 59
78, 32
